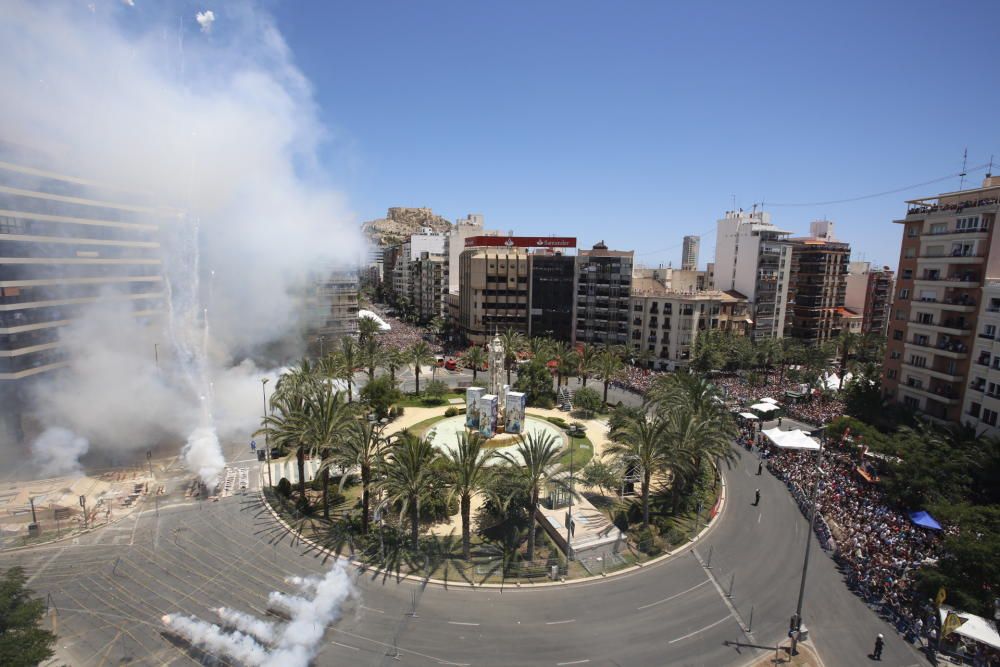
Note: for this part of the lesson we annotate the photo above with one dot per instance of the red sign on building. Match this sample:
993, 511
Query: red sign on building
521, 241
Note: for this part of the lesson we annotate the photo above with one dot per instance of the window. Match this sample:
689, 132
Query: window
934, 251
989, 417
974, 410
897, 334
918, 361
990, 331
969, 224
913, 230
895, 354
907, 274
911, 402
925, 318
928, 295
920, 339
910, 253
904, 293
916, 383
939, 228
900, 315
891, 373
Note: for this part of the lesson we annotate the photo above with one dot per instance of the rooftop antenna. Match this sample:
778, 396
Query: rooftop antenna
989, 169
734, 202
965, 159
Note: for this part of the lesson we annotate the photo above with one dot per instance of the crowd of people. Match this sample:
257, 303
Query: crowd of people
635, 379
877, 546
402, 335
811, 408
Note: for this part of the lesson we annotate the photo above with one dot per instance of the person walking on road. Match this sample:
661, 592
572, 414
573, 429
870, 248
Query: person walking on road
756, 497
879, 643
760, 466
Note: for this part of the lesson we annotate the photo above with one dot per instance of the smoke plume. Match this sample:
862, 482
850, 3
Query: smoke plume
256, 642
224, 130
57, 451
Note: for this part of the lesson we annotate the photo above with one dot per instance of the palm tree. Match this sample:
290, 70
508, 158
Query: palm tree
679, 391
846, 344
693, 437
513, 342
419, 354
393, 360
436, 326
469, 464
408, 477
371, 355
364, 448
644, 441
341, 364
475, 357
606, 366
543, 349
535, 454
559, 351
286, 425
367, 329
586, 355
327, 419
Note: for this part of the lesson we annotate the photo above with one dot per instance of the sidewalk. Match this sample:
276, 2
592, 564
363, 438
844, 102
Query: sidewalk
806, 657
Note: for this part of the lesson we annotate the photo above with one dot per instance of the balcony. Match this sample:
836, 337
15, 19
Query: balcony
954, 350
949, 326
940, 375
957, 305
950, 398
963, 280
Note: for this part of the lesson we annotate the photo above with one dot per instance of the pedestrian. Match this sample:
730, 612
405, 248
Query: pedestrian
760, 466
879, 643
779, 422
756, 497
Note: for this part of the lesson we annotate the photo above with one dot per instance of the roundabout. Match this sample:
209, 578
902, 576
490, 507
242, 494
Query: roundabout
444, 435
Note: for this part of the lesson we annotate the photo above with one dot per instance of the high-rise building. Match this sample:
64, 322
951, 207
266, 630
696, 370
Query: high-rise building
471, 225
429, 285
751, 258
817, 287
67, 244
331, 309
551, 298
981, 405
869, 292
665, 323
944, 261
689, 253
430, 242
604, 282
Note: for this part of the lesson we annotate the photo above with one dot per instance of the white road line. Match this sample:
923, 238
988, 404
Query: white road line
44, 566
377, 611
692, 634
460, 623
353, 648
572, 662
759, 515
675, 595
571, 620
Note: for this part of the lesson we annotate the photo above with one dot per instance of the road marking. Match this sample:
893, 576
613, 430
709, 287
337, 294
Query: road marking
572, 662
653, 604
353, 648
460, 623
707, 627
377, 611
572, 620
759, 515
44, 566
729, 603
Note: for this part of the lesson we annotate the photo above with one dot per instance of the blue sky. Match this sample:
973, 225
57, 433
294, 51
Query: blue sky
636, 122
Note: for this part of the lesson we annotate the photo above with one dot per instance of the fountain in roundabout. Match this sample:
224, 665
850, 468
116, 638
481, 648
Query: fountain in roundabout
496, 412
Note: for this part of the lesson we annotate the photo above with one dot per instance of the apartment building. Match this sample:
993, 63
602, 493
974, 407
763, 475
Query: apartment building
751, 258
552, 295
464, 228
665, 323
413, 248
689, 253
604, 281
67, 244
869, 292
817, 288
981, 405
948, 252
429, 285
331, 309
493, 292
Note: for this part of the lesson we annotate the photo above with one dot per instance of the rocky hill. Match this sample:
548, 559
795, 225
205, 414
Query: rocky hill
401, 222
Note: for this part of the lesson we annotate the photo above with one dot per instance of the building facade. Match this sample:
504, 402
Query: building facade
752, 259
429, 285
689, 253
817, 289
948, 252
603, 286
869, 292
981, 405
331, 309
664, 324
552, 295
493, 292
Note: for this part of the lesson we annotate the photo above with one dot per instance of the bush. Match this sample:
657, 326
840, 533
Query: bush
304, 506
284, 488
646, 542
380, 394
588, 401
558, 421
435, 390
451, 412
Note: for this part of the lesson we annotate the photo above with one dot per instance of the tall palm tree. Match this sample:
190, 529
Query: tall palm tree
679, 391
393, 360
419, 354
340, 365
693, 437
469, 465
371, 355
408, 477
542, 349
586, 356
327, 420
363, 447
475, 357
606, 366
847, 343
286, 425
644, 441
367, 328
513, 342
534, 458
559, 351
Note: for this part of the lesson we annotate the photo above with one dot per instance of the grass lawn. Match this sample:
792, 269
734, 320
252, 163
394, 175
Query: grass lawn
581, 450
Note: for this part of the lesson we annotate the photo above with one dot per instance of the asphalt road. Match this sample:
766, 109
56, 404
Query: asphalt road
110, 588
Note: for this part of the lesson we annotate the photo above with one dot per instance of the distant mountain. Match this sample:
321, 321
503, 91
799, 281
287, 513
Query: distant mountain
401, 222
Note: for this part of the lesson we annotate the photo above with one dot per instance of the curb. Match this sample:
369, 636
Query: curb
721, 503
70, 535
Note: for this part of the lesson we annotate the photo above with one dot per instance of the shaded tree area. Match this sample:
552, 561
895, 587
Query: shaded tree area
22, 642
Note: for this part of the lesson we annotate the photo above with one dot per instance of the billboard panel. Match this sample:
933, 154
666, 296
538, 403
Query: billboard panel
472, 396
488, 405
521, 241
516, 402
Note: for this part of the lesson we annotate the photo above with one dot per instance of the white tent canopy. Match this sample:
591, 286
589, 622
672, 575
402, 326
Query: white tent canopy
795, 439
748, 415
764, 407
382, 324
832, 381
768, 400
975, 627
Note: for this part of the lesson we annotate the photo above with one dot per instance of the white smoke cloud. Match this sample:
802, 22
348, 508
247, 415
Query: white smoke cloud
266, 644
223, 129
57, 451
205, 20
130, 3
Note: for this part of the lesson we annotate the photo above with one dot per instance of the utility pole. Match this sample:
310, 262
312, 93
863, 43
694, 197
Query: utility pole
267, 441
797, 618
569, 514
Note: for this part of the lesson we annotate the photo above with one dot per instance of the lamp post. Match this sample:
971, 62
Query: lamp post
569, 513
797, 618
267, 441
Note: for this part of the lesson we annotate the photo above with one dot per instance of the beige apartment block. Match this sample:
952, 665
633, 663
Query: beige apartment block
493, 292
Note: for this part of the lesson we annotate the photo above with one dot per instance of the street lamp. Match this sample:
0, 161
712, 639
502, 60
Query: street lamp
797, 618
267, 441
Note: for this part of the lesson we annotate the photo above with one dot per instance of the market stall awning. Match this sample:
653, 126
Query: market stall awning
794, 439
975, 627
768, 400
748, 415
924, 520
764, 407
